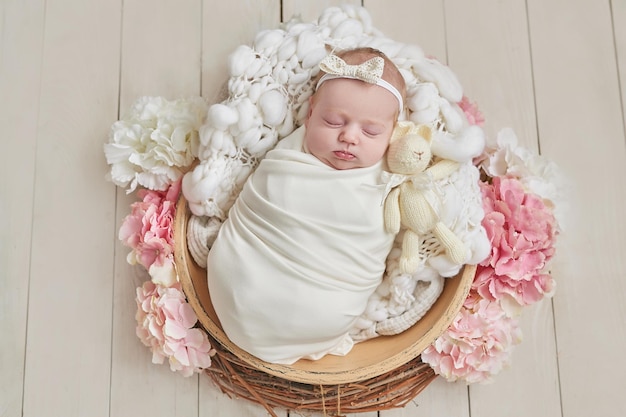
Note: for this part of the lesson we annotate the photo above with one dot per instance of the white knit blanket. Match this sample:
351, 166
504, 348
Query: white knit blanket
267, 98
302, 250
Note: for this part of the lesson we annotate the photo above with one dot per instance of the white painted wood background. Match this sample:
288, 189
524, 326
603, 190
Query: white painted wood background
554, 70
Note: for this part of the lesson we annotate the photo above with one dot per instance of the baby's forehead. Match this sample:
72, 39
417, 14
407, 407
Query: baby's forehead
354, 94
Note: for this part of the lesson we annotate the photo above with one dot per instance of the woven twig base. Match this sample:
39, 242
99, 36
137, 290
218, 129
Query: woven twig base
393, 389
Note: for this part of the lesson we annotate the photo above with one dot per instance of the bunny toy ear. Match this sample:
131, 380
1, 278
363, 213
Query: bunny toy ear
402, 128
425, 132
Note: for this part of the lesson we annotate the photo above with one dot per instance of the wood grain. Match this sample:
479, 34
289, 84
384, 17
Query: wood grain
580, 126
20, 74
70, 292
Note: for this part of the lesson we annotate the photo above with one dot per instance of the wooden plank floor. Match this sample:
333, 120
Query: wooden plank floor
553, 70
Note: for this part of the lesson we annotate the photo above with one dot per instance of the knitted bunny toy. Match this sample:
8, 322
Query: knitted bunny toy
412, 203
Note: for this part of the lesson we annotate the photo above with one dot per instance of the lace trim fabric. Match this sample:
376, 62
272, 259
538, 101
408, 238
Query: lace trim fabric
268, 88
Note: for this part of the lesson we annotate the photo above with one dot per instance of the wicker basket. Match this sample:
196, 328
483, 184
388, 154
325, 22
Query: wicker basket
380, 373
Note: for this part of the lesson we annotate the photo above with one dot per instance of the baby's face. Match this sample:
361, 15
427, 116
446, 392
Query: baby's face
350, 123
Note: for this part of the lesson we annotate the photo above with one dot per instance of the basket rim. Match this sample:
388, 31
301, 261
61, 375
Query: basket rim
329, 370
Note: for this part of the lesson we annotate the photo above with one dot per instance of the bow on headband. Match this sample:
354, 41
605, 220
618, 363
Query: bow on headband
370, 71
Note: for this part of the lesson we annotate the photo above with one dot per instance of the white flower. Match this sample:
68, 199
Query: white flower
155, 143
539, 174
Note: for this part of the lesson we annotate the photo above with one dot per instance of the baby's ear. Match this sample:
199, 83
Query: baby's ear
425, 132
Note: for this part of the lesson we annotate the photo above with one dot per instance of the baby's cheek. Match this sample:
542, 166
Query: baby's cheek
314, 138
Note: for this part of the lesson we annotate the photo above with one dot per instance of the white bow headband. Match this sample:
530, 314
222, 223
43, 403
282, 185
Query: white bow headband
370, 71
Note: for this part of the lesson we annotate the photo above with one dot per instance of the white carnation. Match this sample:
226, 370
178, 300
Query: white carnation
155, 143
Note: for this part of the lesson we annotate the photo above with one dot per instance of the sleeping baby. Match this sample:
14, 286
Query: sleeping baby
304, 245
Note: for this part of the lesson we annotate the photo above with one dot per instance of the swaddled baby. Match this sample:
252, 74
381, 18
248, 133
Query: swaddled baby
304, 245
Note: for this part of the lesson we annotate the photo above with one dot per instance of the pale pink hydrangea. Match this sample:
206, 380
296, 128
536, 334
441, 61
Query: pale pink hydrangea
522, 292
150, 320
522, 231
148, 231
478, 343
165, 323
472, 112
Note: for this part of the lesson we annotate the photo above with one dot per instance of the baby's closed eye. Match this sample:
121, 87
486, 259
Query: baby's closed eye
373, 130
333, 122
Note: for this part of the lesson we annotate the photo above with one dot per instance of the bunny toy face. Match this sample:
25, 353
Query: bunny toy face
409, 154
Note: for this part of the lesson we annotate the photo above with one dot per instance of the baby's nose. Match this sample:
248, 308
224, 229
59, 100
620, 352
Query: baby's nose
350, 134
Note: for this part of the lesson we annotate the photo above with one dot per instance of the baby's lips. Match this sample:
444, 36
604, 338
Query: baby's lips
345, 155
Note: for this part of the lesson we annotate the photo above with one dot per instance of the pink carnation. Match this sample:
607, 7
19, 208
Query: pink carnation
477, 345
473, 114
165, 323
522, 231
148, 228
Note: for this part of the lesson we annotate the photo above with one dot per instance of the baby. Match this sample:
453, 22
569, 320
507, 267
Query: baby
304, 245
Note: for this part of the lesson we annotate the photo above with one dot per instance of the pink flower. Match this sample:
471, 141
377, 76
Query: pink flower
477, 345
165, 323
150, 320
148, 228
524, 292
522, 231
473, 114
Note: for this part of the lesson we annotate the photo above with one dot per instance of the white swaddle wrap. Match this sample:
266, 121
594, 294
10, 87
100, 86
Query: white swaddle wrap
302, 250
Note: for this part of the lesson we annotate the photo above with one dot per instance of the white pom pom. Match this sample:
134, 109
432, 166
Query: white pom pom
288, 126
480, 247
248, 138
218, 139
268, 139
307, 42
204, 134
240, 60
424, 103
247, 112
287, 48
444, 265
256, 69
268, 39
411, 52
298, 79
327, 14
363, 323
273, 107
221, 116
197, 188
297, 28
254, 92
347, 28
363, 15
452, 115
447, 83
313, 58
462, 147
